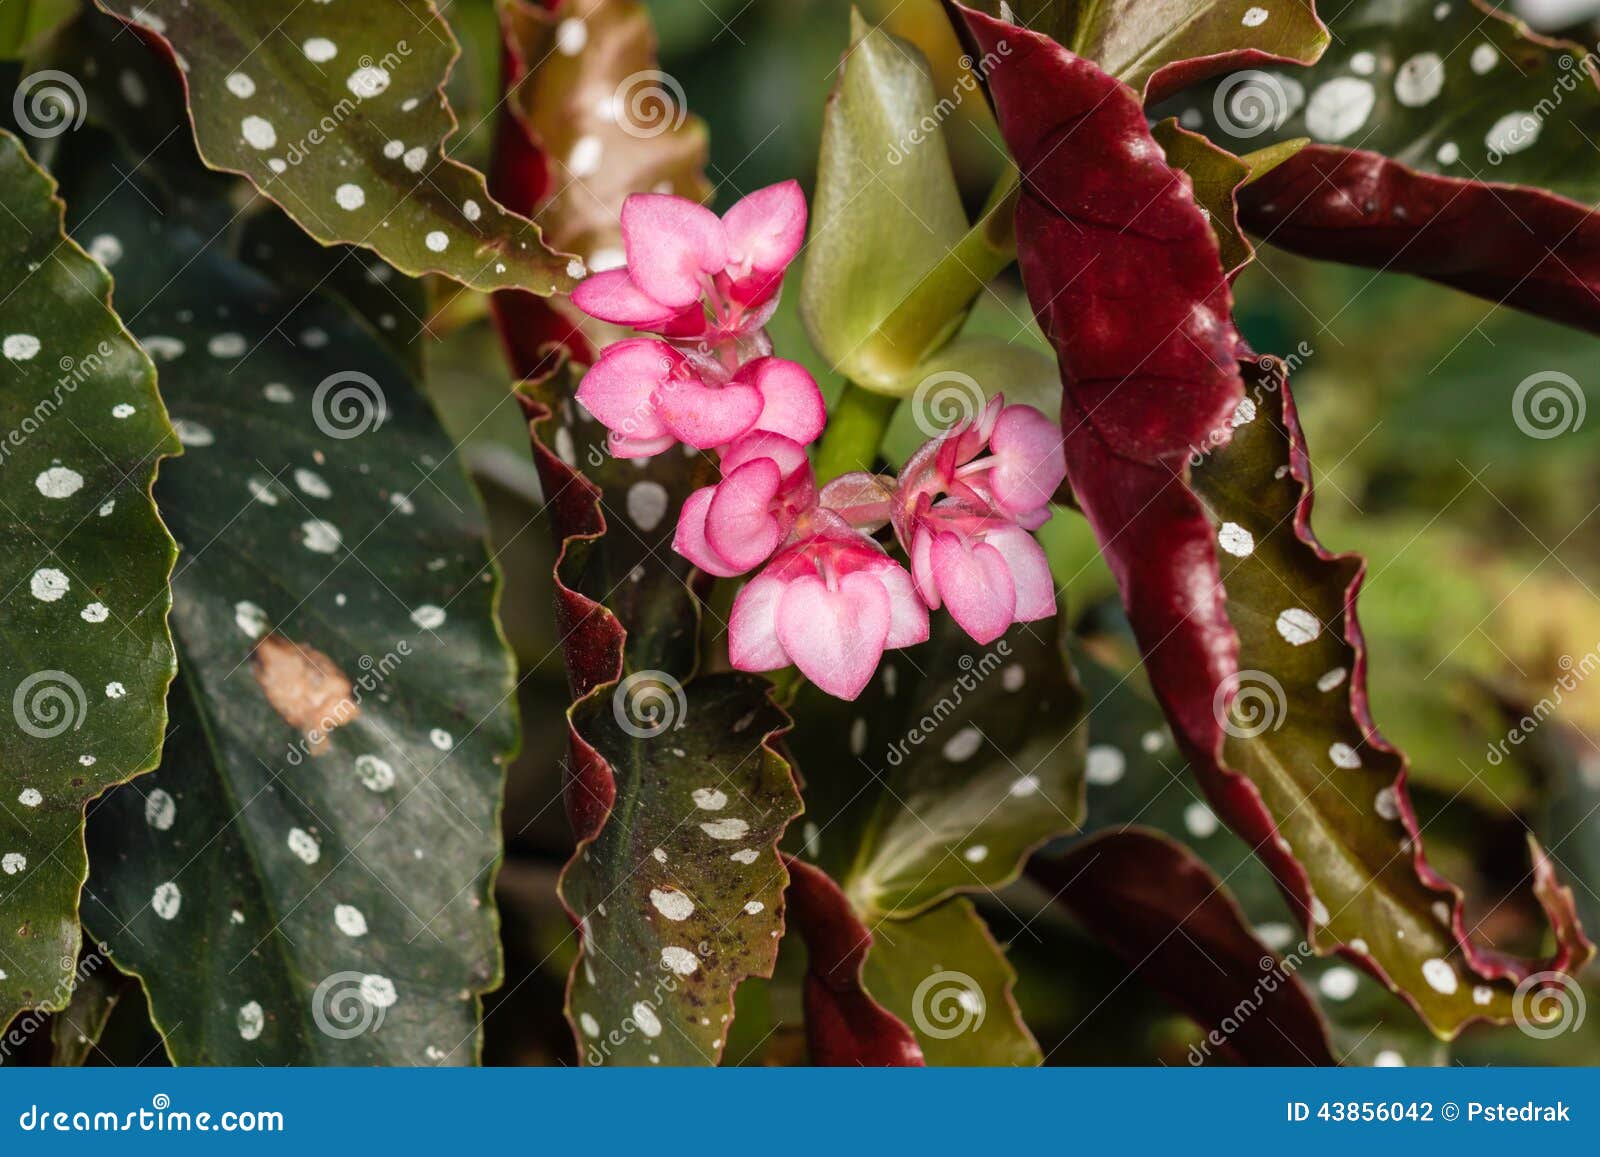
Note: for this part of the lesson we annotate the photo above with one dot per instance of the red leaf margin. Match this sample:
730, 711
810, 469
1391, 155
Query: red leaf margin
844, 1024
1128, 470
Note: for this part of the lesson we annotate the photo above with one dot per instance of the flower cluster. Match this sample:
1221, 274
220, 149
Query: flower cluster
829, 598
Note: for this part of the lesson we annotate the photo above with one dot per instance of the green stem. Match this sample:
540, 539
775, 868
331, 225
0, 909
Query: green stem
948, 289
856, 424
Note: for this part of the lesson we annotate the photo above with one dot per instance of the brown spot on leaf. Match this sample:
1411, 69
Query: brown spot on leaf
304, 686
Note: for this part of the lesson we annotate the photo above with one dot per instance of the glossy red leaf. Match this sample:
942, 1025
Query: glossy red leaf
1509, 243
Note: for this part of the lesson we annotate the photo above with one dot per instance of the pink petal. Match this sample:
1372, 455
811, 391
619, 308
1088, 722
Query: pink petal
908, 617
922, 568
765, 229
786, 452
704, 416
1030, 573
791, 402
670, 242
861, 498
622, 446
976, 586
612, 296
1030, 462
739, 524
617, 388
835, 637
753, 626
689, 539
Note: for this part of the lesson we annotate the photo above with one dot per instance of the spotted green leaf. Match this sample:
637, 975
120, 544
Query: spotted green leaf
1449, 87
1299, 730
306, 878
87, 658
676, 789
940, 779
1136, 40
338, 113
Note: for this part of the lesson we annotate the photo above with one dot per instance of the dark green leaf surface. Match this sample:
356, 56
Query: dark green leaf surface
676, 793
307, 877
85, 657
1447, 88
337, 112
955, 762
952, 766
1133, 40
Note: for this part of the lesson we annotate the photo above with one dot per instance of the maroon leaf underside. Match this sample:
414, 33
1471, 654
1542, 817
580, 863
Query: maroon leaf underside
844, 1024
532, 328
1520, 246
1154, 904
1127, 283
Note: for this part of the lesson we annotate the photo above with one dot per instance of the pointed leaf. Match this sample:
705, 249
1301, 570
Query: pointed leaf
1450, 142
307, 877
955, 763
87, 658
886, 210
337, 112
675, 790
1308, 769
1158, 46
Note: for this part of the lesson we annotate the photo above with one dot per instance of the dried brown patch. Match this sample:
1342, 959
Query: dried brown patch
304, 686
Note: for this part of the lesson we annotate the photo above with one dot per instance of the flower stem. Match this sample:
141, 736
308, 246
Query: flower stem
856, 425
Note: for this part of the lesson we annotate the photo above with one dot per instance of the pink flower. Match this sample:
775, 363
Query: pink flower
734, 526
964, 518
650, 394
692, 274
830, 604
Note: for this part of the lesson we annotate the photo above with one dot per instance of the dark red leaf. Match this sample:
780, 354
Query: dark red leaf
1521, 246
844, 1025
1164, 912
